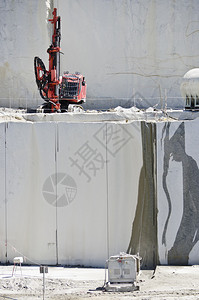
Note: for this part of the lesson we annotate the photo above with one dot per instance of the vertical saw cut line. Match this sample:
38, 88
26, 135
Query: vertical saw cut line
6, 209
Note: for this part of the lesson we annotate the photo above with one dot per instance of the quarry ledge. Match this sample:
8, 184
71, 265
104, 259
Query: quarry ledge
117, 114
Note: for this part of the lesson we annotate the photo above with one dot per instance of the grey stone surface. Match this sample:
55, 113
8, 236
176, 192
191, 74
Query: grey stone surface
130, 51
187, 235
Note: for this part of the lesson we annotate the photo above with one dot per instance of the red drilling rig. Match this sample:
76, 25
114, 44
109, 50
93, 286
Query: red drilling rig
58, 91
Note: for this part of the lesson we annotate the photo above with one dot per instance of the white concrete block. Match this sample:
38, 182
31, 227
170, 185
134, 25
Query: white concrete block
18, 260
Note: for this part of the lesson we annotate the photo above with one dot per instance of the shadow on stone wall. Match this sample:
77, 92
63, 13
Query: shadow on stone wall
188, 234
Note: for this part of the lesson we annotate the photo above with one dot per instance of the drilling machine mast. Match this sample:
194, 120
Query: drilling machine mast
58, 91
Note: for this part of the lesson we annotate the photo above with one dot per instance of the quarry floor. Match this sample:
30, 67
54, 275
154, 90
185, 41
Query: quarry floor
166, 282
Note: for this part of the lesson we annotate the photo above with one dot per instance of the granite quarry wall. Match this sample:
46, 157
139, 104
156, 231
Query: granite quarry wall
69, 192
130, 51
77, 193
177, 193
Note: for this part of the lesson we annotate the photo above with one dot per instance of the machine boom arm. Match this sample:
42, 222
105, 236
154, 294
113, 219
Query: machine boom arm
55, 89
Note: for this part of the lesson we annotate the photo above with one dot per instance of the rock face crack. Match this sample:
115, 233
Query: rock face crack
164, 177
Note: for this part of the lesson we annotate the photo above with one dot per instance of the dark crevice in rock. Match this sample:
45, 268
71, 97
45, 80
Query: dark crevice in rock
144, 230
